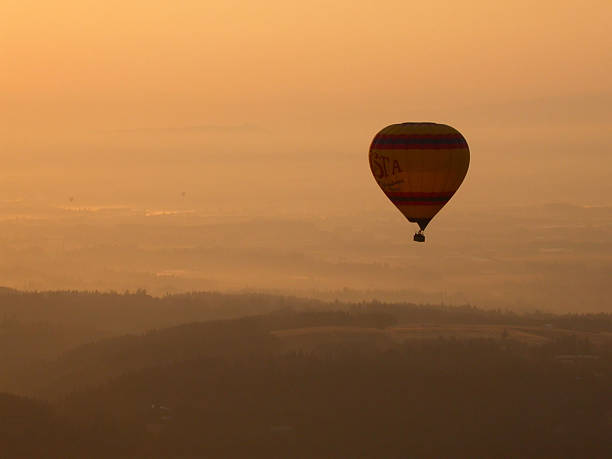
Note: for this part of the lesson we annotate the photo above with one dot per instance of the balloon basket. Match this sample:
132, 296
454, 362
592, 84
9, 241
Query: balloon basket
419, 237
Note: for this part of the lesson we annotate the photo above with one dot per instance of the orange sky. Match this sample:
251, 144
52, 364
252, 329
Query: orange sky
325, 75
137, 63
267, 109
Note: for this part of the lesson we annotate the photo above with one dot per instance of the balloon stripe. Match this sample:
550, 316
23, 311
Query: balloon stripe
417, 201
389, 135
419, 195
445, 145
418, 142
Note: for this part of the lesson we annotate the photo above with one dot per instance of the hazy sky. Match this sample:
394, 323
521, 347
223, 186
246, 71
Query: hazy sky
89, 79
263, 109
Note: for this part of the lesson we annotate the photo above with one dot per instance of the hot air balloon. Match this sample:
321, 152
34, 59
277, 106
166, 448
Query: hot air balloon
419, 166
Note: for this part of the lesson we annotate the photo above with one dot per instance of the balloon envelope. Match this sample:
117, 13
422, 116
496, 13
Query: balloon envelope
419, 166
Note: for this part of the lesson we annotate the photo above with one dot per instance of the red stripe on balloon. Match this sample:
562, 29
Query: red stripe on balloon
419, 203
418, 142
419, 199
420, 195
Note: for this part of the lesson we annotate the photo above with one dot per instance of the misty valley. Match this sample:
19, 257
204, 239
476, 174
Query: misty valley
554, 257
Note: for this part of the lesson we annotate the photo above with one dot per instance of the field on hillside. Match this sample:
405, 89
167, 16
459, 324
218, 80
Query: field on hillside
309, 338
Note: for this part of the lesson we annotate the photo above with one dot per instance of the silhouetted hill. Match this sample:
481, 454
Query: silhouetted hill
31, 428
131, 312
74, 323
443, 398
136, 312
247, 337
308, 379
94, 363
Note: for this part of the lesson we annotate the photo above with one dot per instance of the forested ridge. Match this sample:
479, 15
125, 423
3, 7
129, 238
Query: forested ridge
139, 311
254, 375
